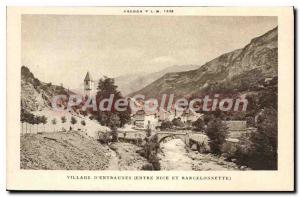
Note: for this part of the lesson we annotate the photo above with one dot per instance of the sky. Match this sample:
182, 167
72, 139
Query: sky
62, 48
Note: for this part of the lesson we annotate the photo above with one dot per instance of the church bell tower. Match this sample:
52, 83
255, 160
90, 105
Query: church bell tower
88, 84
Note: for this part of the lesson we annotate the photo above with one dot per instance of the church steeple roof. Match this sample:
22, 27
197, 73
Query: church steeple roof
88, 77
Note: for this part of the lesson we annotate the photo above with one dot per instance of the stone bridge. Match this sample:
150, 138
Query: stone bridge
194, 141
188, 137
165, 135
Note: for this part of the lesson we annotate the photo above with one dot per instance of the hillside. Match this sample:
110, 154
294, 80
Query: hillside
133, 82
36, 99
35, 94
62, 151
239, 70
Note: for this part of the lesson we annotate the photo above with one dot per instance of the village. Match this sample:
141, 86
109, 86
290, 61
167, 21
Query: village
180, 135
219, 116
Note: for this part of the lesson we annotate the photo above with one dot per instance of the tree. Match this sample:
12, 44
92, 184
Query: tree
54, 123
37, 121
25, 116
44, 121
150, 152
107, 87
63, 119
114, 133
28, 117
261, 151
114, 122
208, 117
177, 122
166, 125
73, 120
267, 123
268, 98
148, 130
30, 120
199, 125
124, 117
217, 133
83, 123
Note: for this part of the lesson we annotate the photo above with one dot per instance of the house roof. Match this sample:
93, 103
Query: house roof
88, 77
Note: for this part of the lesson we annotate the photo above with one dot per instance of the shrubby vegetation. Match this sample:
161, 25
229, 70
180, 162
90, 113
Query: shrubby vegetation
199, 125
73, 120
30, 118
166, 125
63, 119
177, 122
104, 137
217, 134
149, 151
105, 88
258, 150
53, 121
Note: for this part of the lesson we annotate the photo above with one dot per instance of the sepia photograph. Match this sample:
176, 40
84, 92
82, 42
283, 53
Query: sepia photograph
149, 89
203, 89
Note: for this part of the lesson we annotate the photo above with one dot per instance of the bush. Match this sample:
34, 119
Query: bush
166, 125
148, 132
114, 133
260, 152
217, 133
177, 122
149, 151
147, 167
198, 125
104, 137
63, 119
53, 121
73, 120
153, 159
230, 149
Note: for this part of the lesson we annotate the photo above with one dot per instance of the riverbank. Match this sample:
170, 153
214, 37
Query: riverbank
207, 162
76, 151
175, 155
125, 157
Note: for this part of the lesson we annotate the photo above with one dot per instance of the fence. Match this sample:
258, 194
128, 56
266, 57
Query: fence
31, 128
27, 128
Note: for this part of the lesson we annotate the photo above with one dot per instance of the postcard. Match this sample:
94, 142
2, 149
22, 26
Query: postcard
150, 98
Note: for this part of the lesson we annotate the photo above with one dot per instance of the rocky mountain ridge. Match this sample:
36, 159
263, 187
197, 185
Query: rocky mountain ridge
256, 62
35, 94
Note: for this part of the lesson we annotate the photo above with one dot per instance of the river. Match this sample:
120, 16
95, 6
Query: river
175, 155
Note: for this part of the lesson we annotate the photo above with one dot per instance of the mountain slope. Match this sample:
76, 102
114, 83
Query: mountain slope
37, 95
133, 82
62, 151
251, 64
